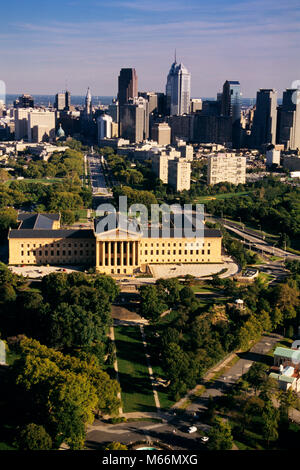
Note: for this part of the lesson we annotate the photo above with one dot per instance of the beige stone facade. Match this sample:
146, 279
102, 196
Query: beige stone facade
112, 252
55, 250
120, 252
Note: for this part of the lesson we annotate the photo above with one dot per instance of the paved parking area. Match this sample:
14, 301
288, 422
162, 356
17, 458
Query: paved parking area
35, 272
197, 270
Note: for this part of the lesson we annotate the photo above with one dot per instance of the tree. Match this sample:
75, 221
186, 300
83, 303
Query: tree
63, 391
8, 218
151, 306
287, 400
67, 217
116, 446
256, 376
252, 407
220, 437
270, 417
4, 175
287, 299
34, 437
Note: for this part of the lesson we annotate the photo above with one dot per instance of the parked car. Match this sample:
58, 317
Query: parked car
192, 429
204, 438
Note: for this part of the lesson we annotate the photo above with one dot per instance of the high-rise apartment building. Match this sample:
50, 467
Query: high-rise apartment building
226, 167
179, 174
289, 120
128, 86
160, 166
178, 90
265, 118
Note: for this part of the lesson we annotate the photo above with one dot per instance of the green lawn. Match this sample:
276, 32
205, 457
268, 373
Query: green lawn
37, 180
164, 399
136, 389
203, 199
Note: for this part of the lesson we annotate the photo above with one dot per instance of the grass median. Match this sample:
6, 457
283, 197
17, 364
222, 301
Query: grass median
136, 388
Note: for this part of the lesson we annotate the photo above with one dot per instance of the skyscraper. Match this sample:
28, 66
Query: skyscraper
60, 101
67, 100
104, 127
24, 101
265, 117
289, 120
231, 106
63, 101
128, 86
132, 121
178, 90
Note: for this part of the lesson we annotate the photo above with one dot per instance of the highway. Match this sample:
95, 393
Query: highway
252, 239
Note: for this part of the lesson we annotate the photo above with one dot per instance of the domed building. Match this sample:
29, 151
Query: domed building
60, 134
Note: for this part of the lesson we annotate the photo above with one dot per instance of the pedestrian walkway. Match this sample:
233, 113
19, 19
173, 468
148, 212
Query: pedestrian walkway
156, 399
112, 337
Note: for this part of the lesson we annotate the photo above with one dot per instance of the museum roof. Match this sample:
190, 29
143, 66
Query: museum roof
62, 233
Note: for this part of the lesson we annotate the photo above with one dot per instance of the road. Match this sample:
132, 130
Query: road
97, 176
179, 420
252, 239
130, 432
234, 373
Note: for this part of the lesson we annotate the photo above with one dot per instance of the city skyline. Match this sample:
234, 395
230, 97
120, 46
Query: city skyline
72, 44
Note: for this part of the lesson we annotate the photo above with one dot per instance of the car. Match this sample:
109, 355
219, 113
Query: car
204, 438
192, 429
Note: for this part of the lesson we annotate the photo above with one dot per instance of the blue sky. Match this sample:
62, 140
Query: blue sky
46, 44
